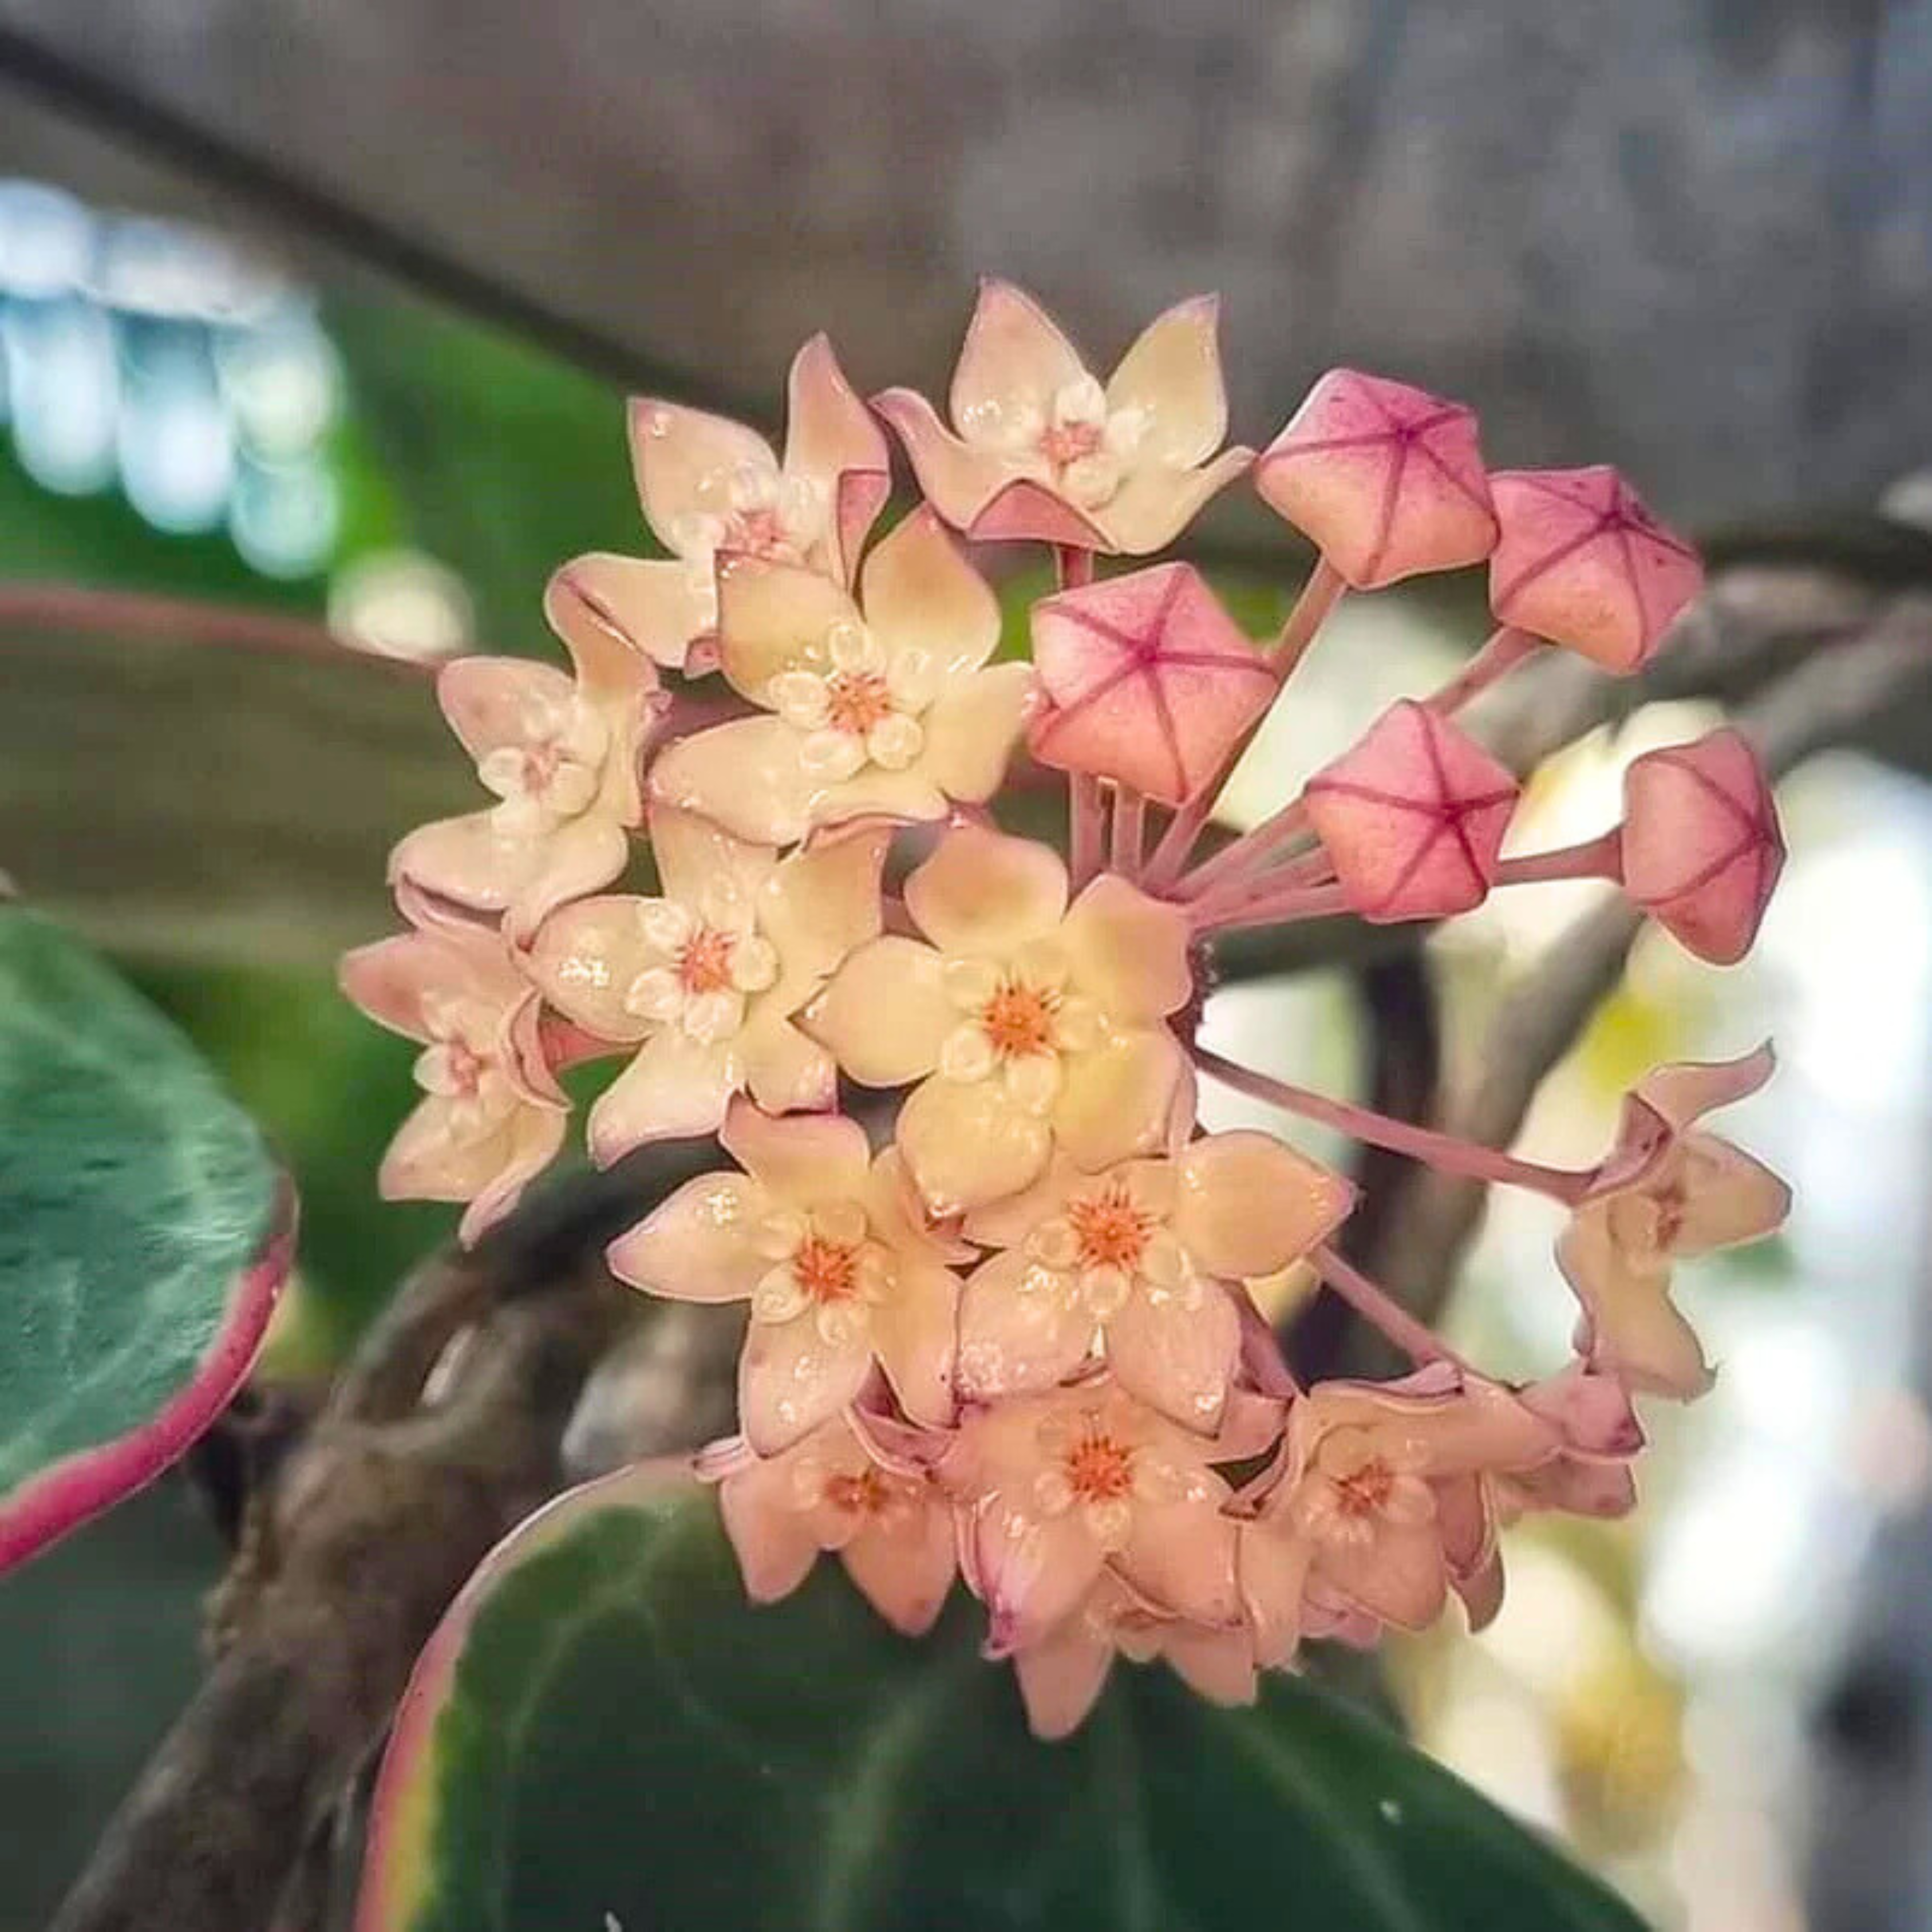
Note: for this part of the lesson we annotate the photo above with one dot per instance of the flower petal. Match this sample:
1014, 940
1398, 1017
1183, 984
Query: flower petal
653, 601
1129, 952
983, 892
1635, 1334
492, 703
583, 959
1119, 1099
696, 1245
785, 1069
1032, 1569
1061, 1676
1272, 1562
1021, 1330
685, 461
904, 1570
1152, 507
697, 859
799, 1158
885, 1013
971, 729
1014, 359
1174, 1359
957, 480
832, 441
676, 1086
909, 797
746, 775
1729, 1197
775, 1545
470, 861
915, 1334
920, 594
791, 1379
775, 617
1181, 1555
1173, 373
966, 1144
819, 903
1397, 1574
1022, 511
1249, 1203
578, 857
1216, 1664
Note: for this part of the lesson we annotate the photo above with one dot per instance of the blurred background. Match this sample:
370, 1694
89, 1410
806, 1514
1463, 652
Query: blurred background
327, 307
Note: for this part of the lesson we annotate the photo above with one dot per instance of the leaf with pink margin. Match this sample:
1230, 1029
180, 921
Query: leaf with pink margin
145, 1232
605, 1733
1387, 480
1412, 817
1150, 681
1583, 563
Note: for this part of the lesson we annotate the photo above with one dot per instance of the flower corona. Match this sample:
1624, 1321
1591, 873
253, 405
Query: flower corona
1000, 1283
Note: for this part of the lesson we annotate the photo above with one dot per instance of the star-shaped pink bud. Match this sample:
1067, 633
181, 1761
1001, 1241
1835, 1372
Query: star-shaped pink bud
814, 1234
1412, 817
1602, 1437
1583, 563
1150, 681
710, 487
1043, 451
1387, 480
492, 1115
892, 1530
1702, 847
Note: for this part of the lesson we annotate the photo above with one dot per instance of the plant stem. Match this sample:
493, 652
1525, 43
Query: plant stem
1448, 1153
1281, 905
1086, 811
1598, 858
1072, 566
1506, 647
1375, 1304
1130, 831
1319, 596
1249, 851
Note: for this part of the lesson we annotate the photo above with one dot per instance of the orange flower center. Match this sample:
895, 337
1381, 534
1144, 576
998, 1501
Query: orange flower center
857, 701
704, 966
1111, 1231
466, 1066
757, 532
865, 1494
1018, 1021
1099, 1469
826, 1270
1366, 1492
1068, 442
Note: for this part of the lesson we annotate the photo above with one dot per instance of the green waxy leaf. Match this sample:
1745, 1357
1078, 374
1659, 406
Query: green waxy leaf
144, 1232
605, 1733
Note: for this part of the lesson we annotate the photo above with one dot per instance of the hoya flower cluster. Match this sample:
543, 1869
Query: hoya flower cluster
1000, 1326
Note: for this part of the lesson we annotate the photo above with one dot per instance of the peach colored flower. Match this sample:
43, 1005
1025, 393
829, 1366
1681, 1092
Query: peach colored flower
1412, 817
1701, 846
1028, 1025
1043, 451
1062, 1674
562, 756
1387, 480
1149, 1255
891, 711
814, 1234
892, 1531
1055, 1488
706, 978
492, 1116
1150, 681
1583, 563
1381, 1503
1666, 1189
710, 487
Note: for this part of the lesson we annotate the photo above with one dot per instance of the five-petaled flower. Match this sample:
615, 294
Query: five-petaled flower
1381, 1503
816, 1235
1027, 1024
1666, 1189
705, 978
890, 712
1043, 450
1151, 1255
711, 488
492, 1115
562, 756
892, 1530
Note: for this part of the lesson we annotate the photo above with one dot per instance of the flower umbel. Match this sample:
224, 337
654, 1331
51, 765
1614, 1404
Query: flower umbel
1005, 1319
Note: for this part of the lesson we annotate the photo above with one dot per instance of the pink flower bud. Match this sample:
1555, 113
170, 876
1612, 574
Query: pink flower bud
1702, 848
1581, 562
1413, 816
1151, 682
1386, 479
